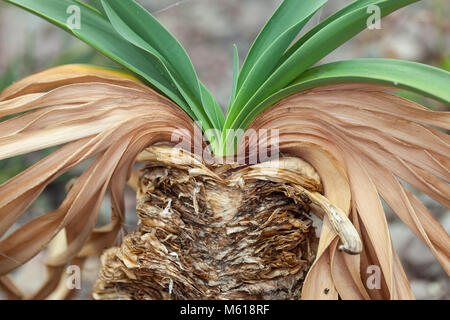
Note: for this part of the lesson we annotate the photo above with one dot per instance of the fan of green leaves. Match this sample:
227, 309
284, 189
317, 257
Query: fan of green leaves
273, 69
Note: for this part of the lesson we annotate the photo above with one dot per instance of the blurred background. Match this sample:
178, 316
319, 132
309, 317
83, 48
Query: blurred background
208, 29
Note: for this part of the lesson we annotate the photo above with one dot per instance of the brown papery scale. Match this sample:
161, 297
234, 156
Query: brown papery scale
215, 232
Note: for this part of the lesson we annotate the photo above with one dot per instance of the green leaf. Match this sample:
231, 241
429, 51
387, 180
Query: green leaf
235, 74
318, 46
97, 32
128, 33
412, 76
97, 4
139, 27
213, 107
214, 133
271, 43
358, 4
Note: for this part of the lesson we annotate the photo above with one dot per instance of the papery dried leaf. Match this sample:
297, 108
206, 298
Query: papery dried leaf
86, 116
